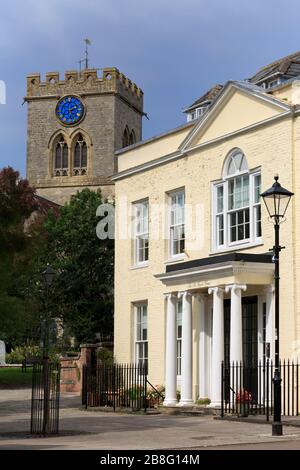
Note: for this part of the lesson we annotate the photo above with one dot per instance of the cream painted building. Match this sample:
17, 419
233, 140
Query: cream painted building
193, 272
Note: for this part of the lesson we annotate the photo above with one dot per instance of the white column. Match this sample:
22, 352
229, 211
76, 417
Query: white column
269, 292
202, 346
260, 344
236, 324
187, 347
170, 364
217, 344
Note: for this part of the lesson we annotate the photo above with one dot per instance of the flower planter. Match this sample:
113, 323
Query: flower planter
243, 409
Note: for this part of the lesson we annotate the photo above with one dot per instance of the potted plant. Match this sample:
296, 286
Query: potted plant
135, 397
155, 396
243, 400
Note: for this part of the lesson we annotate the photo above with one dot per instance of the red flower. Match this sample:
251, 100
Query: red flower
243, 396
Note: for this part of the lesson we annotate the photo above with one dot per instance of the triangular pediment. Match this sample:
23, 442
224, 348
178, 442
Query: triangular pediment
235, 109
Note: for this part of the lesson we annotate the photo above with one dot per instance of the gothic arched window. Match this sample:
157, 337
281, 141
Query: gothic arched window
61, 157
237, 212
132, 138
80, 156
125, 140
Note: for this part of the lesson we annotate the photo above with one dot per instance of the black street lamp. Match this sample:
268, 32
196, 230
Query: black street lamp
277, 200
48, 275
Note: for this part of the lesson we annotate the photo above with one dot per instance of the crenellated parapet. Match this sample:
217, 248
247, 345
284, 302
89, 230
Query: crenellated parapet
86, 82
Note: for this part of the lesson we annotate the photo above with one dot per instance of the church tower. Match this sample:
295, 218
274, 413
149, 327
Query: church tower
75, 126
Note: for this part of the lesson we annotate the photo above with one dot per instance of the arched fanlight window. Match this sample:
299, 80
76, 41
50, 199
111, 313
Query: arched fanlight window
237, 211
80, 156
132, 138
125, 139
60, 157
236, 163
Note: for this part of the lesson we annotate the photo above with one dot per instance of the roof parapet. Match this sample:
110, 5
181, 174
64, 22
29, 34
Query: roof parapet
110, 79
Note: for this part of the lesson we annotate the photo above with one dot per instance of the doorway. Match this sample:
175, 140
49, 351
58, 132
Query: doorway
249, 340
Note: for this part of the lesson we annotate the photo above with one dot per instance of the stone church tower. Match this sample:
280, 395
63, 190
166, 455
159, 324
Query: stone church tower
74, 127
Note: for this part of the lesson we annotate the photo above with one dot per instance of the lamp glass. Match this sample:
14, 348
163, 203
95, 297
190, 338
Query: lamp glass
49, 274
277, 204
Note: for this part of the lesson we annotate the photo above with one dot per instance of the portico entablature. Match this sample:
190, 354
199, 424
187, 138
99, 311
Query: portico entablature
219, 274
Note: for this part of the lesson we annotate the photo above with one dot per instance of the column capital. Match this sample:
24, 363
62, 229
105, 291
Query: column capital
215, 290
171, 295
269, 289
234, 287
185, 294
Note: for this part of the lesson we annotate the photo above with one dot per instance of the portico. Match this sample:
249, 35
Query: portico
211, 291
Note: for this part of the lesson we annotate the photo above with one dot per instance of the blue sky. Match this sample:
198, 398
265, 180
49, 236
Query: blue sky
173, 49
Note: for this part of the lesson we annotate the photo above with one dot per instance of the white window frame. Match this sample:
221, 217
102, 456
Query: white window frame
141, 234
172, 226
254, 238
139, 341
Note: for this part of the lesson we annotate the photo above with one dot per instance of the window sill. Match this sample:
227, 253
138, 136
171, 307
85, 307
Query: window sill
140, 266
175, 259
237, 247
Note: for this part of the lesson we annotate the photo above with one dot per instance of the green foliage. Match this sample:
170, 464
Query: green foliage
18, 353
105, 356
135, 392
157, 393
17, 202
84, 267
82, 294
18, 317
203, 401
13, 377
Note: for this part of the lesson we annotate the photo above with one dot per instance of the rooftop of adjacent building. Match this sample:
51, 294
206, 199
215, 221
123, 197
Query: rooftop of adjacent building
283, 99
269, 77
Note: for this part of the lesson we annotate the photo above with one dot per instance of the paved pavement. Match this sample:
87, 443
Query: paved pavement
80, 429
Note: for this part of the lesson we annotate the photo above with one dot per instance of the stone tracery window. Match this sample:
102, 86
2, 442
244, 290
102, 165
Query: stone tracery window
61, 157
125, 139
132, 138
80, 156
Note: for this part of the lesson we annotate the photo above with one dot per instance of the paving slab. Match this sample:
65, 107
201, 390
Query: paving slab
81, 429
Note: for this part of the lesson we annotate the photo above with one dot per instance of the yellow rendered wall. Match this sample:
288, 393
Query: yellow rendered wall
152, 150
237, 111
269, 147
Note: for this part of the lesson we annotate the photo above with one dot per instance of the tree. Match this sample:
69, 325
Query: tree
82, 293
17, 203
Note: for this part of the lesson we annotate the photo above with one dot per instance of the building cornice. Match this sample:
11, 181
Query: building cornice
181, 154
218, 270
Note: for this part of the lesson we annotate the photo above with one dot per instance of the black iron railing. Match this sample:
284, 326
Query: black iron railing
248, 390
115, 386
45, 398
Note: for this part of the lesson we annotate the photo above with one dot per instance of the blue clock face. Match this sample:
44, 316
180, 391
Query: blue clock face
69, 110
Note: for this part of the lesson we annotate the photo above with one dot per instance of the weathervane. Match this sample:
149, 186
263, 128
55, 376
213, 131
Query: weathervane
86, 60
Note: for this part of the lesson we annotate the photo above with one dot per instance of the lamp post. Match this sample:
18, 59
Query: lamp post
48, 275
276, 200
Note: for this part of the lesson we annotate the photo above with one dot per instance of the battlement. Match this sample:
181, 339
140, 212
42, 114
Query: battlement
88, 81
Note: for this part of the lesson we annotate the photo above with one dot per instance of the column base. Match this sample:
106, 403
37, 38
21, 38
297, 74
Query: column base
170, 402
188, 402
